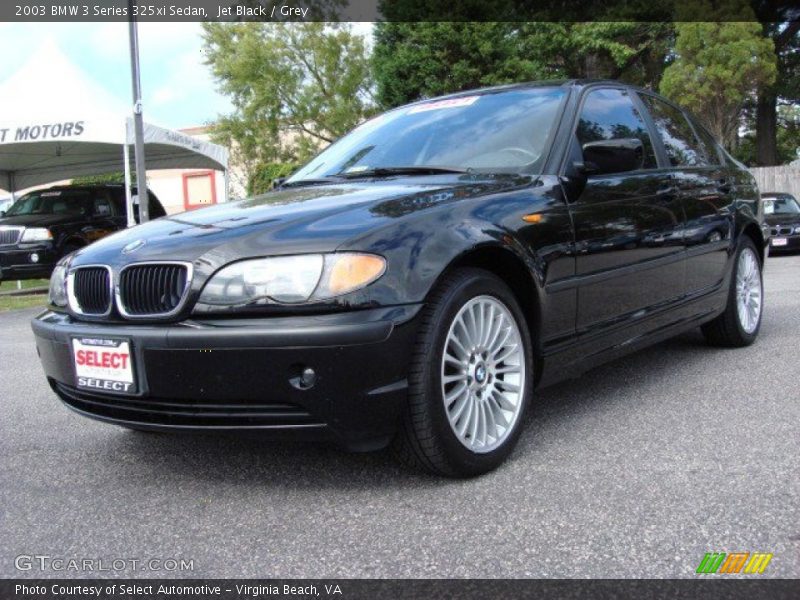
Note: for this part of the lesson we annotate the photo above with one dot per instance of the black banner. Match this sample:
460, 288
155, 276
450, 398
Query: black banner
399, 10
374, 589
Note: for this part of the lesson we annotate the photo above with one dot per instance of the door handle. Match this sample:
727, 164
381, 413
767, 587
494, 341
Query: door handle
724, 186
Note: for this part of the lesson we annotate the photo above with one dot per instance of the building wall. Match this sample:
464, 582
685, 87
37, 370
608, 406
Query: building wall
172, 189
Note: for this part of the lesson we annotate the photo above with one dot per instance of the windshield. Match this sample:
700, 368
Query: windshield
67, 202
493, 132
781, 205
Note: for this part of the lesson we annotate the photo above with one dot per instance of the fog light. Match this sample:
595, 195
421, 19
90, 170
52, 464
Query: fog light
34, 258
309, 377
304, 378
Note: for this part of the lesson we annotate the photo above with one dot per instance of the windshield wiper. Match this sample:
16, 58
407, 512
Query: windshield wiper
390, 171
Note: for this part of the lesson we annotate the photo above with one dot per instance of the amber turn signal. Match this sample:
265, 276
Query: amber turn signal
349, 272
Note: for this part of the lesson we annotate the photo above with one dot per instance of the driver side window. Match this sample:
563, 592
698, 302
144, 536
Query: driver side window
610, 114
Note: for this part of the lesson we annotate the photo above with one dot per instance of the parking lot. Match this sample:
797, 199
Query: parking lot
635, 470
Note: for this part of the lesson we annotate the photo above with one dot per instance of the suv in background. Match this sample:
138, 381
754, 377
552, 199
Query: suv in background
45, 225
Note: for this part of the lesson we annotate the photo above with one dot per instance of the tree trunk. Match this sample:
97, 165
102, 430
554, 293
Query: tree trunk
766, 129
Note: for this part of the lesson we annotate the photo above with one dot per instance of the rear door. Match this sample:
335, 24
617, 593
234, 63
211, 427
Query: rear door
629, 248
706, 192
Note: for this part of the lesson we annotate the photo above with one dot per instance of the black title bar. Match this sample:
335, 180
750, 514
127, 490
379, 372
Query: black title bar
706, 587
398, 10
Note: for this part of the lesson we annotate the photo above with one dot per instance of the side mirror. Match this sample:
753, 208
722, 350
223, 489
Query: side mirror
2, 213
278, 182
613, 156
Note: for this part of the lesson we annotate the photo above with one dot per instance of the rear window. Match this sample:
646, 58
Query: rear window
682, 146
709, 143
156, 209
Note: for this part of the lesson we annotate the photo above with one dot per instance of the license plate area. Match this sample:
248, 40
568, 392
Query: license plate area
779, 241
104, 365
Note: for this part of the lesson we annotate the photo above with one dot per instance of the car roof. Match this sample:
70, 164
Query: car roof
566, 83
86, 186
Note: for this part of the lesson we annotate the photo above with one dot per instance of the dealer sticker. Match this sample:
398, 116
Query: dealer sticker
103, 365
452, 103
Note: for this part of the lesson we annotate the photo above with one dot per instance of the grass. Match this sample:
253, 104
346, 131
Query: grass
10, 286
29, 301
15, 302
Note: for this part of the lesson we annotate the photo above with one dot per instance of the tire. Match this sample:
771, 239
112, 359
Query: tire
732, 328
437, 409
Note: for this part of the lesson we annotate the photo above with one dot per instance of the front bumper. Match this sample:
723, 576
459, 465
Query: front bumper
17, 262
242, 374
792, 244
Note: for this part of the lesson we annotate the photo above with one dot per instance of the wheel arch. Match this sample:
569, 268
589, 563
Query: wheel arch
754, 232
509, 266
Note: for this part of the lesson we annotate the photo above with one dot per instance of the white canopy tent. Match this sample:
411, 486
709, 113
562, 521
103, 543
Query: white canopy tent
56, 123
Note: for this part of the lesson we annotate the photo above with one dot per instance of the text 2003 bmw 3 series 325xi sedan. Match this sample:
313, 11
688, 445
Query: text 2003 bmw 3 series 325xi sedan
415, 282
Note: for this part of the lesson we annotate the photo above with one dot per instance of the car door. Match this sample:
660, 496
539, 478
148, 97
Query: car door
705, 189
628, 240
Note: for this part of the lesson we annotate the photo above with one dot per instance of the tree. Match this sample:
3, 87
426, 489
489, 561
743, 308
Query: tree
718, 66
786, 38
295, 87
415, 60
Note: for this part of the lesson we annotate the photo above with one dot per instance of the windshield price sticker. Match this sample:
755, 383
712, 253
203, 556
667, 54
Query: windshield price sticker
452, 103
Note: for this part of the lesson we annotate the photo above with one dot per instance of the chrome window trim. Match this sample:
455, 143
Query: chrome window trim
151, 316
72, 301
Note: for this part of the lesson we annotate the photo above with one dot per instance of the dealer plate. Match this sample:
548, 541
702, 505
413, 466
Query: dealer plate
103, 365
779, 241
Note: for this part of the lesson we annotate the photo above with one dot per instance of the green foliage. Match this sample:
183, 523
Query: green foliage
261, 178
788, 138
295, 87
719, 65
114, 177
416, 60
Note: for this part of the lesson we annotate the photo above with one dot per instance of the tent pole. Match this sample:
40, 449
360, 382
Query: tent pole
141, 169
126, 158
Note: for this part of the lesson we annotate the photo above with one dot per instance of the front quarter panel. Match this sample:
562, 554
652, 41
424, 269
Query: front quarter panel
420, 247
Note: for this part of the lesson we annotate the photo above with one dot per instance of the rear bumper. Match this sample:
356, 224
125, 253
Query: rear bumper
242, 374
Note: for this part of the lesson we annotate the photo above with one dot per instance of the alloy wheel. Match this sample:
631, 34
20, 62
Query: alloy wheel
748, 290
483, 374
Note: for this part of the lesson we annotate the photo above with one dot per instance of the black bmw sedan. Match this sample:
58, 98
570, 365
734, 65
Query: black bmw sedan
418, 280
782, 213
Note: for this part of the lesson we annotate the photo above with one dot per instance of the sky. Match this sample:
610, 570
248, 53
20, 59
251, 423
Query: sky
178, 89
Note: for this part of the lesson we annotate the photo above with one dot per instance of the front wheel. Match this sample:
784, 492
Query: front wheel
739, 325
470, 379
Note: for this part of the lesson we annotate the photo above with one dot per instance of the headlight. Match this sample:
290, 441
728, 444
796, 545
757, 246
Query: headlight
797, 229
58, 285
36, 234
291, 279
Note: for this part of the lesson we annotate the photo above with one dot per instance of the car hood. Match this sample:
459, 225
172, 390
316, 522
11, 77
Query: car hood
288, 221
41, 220
782, 219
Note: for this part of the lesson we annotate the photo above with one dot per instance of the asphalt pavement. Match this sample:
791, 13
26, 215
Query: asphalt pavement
637, 469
